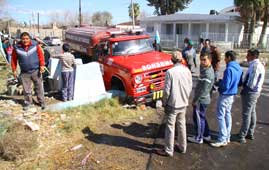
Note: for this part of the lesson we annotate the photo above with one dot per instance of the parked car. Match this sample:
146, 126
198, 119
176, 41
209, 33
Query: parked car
52, 41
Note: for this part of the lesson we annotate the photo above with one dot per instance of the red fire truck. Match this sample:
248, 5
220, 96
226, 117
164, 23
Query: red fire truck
127, 60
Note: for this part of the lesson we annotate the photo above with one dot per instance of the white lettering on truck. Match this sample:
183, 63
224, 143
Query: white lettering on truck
156, 65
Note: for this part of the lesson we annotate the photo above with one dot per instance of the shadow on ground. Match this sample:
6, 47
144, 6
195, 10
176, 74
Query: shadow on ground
118, 141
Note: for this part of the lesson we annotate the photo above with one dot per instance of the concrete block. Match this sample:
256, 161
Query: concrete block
89, 87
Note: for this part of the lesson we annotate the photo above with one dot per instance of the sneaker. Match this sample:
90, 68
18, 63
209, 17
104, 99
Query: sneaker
242, 140
162, 152
26, 107
207, 138
219, 144
194, 140
250, 137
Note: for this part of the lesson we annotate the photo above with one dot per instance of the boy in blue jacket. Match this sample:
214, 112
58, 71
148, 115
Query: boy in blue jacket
228, 87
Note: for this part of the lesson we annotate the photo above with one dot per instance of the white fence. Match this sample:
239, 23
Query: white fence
231, 41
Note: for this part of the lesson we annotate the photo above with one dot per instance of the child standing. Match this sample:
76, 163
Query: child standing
68, 63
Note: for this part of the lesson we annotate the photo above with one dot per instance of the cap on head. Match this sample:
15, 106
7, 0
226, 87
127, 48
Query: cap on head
190, 43
176, 56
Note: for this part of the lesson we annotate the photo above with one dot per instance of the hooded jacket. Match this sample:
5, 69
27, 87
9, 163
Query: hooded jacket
231, 79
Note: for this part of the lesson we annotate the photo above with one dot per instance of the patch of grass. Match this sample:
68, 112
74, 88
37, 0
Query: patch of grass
107, 111
18, 142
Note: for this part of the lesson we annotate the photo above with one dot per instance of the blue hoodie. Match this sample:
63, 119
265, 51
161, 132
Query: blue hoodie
231, 78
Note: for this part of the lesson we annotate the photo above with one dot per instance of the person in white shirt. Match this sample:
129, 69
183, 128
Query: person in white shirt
178, 86
252, 86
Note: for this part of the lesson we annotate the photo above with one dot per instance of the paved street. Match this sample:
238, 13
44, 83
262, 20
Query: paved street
251, 156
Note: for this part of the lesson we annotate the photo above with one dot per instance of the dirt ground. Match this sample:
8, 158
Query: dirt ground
101, 136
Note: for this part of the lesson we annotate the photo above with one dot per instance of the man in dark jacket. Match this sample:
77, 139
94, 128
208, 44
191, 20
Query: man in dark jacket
30, 57
201, 99
228, 87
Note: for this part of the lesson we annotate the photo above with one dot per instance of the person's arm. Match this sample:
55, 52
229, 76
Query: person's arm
255, 77
167, 89
74, 60
41, 59
14, 61
218, 58
224, 84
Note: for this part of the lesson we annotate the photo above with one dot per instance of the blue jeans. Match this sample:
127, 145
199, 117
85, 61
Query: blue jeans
224, 117
200, 122
68, 85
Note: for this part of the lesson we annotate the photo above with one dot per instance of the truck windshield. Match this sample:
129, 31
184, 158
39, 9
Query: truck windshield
131, 47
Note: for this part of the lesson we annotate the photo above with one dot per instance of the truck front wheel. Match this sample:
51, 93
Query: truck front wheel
118, 90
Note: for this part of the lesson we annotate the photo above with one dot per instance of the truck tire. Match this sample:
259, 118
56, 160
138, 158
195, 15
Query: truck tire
118, 87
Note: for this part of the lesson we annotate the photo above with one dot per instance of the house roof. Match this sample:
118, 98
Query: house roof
192, 17
130, 23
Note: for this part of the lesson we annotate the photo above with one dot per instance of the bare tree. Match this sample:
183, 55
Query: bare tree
143, 15
69, 18
102, 18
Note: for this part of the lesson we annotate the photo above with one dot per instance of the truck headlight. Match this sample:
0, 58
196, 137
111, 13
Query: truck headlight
138, 79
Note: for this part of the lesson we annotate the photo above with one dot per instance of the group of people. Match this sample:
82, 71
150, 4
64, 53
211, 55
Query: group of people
30, 57
7, 44
178, 87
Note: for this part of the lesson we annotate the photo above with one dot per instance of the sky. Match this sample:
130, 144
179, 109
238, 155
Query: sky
24, 10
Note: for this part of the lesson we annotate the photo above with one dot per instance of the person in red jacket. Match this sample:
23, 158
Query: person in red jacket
31, 61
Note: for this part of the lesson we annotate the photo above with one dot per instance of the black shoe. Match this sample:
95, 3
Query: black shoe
162, 152
177, 149
250, 137
43, 106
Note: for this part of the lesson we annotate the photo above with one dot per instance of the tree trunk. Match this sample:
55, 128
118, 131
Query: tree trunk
252, 29
245, 35
264, 27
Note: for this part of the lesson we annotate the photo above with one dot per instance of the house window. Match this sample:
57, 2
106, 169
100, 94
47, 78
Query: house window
167, 29
217, 28
150, 29
179, 29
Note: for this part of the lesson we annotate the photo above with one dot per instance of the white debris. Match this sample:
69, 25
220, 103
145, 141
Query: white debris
63, 117
32, 126
158, 104
76, 147
84, 161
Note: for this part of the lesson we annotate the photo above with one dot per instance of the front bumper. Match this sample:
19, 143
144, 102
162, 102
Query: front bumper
152, 96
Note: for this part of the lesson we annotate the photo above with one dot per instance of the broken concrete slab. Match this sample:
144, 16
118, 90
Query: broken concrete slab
89, 87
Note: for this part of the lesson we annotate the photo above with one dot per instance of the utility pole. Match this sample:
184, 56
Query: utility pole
38, 22
133, 13
80, 19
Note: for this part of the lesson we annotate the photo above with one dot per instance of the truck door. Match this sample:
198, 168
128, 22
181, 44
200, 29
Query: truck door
102, 51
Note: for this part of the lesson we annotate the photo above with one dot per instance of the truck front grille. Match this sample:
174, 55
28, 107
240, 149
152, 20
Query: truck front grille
155, 78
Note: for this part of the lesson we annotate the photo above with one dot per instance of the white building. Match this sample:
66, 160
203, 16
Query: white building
225, 27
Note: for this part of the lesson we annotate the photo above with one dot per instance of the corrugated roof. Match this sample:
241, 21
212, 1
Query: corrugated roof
192, 17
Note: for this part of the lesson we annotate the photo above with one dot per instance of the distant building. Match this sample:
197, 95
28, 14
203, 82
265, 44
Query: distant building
223, 27
128, 25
